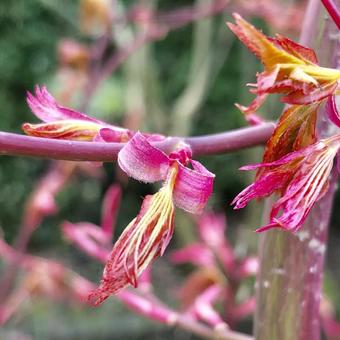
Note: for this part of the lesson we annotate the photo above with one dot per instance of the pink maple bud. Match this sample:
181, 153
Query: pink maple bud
64, 123
94, 240
147, 307
301, 177
290, 69
147, 236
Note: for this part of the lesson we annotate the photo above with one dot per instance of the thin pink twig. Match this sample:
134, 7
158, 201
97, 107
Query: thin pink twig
333, 11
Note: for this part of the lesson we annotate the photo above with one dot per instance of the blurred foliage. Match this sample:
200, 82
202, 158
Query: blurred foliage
30, 31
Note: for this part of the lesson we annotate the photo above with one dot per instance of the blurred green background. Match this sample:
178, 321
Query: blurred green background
200, 68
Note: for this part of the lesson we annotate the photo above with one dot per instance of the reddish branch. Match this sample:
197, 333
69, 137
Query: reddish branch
333, 11
20, 145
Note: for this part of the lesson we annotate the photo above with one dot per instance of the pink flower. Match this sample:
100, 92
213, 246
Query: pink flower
147, 236
301, 177
64, 123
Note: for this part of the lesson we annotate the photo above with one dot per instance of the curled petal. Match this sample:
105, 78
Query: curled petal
193, 187
144, 239
45, 107
142, 161
63, 129
332, 111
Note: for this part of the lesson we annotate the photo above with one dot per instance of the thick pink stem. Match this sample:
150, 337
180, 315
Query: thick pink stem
20, 145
